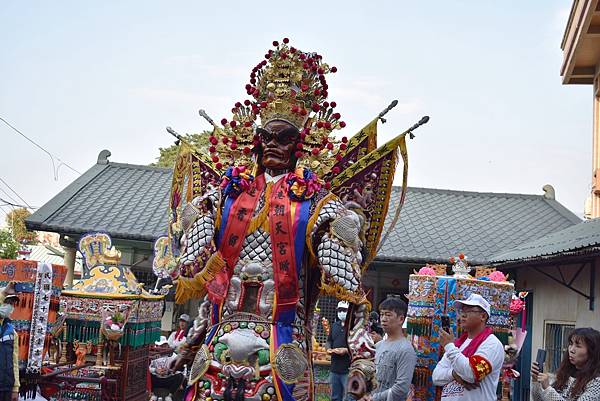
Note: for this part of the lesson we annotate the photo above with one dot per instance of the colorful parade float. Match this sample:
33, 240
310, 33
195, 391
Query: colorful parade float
432, 294
36, 316
276, 212
108, 324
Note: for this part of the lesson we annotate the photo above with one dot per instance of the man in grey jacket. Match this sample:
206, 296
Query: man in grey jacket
395, 357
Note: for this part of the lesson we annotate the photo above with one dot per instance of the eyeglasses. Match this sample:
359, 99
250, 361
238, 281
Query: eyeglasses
283, 137
469, 311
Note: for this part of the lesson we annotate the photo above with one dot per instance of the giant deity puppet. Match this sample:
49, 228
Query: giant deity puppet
280, 212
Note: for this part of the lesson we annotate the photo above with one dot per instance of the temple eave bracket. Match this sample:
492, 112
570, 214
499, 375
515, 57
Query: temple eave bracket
590, 296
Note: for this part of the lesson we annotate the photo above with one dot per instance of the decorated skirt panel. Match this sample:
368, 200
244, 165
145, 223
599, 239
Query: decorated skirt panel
84, 316
249, 353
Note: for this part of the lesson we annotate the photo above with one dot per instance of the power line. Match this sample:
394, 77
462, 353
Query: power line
7, 203
54, 166
7, 194
15, 192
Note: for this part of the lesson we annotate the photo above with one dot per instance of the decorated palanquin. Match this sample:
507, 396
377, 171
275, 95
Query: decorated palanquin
110, 322
275, 212
38, 286
432, 294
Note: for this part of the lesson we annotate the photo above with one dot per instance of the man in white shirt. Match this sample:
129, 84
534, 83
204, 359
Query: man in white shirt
178, 337
470, 367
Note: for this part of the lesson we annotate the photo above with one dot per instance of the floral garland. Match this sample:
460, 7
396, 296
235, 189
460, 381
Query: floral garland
496, 277
517, 304
114, 322
426, 271
235, 181
303, 184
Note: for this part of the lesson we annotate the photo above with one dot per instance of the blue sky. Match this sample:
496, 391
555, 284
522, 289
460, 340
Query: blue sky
79, 77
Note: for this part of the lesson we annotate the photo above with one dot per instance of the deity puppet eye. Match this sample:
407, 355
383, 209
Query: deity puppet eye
283, 137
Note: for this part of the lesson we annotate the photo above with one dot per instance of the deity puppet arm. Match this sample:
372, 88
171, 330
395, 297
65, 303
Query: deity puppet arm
195, 337
199, 260
339, 256
198, 221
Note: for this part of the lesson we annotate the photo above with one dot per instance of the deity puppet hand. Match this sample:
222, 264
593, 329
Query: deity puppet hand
361, 379
195, 337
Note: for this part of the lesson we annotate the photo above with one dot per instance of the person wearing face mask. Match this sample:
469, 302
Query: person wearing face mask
337, 347
578, 376
9, 347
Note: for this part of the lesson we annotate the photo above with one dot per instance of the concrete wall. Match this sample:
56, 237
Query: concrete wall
556, 303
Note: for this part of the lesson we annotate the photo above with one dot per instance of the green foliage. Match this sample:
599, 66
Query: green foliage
118, 317
15, 220
8, 245
169, 155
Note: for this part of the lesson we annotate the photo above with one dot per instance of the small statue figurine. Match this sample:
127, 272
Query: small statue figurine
81, 350
460, 267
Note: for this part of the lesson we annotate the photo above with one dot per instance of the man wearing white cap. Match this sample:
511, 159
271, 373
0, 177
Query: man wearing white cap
470, 367
178, 337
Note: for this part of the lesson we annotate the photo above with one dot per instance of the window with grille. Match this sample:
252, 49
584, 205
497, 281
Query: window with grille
326, 308
556, 336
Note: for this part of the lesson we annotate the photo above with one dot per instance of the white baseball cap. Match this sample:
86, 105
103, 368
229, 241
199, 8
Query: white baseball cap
184, 317
343, 305
163, 340
475, 300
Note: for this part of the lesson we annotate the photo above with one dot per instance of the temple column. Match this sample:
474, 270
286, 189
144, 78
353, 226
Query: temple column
69, 259
595, 193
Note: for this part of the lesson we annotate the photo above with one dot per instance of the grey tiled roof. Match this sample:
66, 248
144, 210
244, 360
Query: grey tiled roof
130, 202
127, 201
574, 238
435, 224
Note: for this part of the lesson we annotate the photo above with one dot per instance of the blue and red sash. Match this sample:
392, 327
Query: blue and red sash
238, 213
288, 221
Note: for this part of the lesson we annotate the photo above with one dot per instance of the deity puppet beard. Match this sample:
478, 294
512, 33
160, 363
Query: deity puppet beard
278, 146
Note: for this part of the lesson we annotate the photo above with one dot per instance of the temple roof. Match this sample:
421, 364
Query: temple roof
435, 224
130, 202
580, 237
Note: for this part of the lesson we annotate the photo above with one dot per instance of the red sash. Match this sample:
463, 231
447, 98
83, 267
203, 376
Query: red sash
282, 237
238, 221
179, 335
470, 349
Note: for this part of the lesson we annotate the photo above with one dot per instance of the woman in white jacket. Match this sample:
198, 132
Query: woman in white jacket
578, 376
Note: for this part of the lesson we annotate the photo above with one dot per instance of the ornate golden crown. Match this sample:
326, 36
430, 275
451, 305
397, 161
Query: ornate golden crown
287, 85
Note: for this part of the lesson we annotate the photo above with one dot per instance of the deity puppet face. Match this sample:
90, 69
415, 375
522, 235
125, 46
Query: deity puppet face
278, 141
